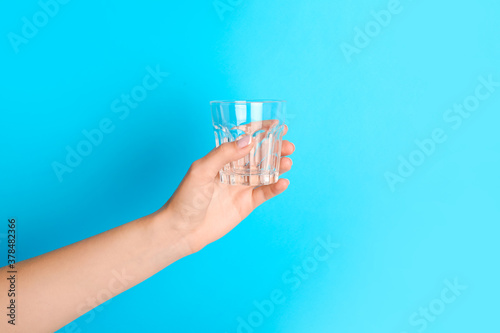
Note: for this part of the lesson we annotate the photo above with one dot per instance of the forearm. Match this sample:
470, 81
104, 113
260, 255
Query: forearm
57, 287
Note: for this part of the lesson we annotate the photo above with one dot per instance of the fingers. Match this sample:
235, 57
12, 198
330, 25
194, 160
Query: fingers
263, 193
287, 148
210, 164
285, 165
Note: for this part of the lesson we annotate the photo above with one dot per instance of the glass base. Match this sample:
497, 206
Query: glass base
249, 180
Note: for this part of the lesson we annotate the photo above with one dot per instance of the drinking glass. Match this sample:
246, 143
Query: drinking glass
264, 121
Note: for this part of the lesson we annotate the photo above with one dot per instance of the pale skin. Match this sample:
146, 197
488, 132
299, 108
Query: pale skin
57, 287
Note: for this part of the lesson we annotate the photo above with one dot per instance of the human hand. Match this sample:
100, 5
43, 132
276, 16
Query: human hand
202, 209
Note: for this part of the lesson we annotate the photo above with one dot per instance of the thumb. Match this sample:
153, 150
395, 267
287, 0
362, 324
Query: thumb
225, 153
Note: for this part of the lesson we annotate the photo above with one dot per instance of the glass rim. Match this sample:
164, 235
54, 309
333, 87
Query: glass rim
250, 101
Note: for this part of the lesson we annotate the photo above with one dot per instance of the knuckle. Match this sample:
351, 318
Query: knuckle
227, 147
197, 169
223, 148
195, 166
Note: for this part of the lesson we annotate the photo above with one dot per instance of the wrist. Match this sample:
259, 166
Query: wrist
169, 239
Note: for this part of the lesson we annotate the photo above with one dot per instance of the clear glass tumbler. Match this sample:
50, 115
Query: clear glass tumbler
262, 119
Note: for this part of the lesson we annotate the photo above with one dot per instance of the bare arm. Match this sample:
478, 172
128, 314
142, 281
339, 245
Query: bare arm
57, 287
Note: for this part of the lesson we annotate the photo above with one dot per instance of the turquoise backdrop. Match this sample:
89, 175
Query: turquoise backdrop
391, 221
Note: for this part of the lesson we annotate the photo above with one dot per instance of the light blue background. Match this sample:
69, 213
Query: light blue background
349, 120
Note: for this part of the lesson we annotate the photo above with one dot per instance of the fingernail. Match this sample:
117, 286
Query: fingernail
244, 141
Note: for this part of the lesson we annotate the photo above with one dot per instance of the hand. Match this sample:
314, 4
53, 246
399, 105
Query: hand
91, 271
203, 209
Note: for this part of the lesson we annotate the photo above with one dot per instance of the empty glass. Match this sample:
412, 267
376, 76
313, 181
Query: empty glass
264, 121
